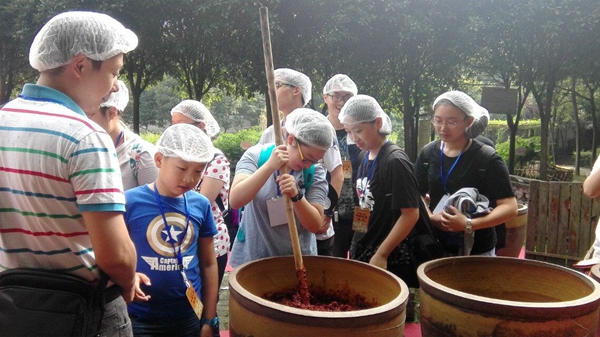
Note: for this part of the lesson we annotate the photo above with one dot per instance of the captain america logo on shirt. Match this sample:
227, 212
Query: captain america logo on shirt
158, 237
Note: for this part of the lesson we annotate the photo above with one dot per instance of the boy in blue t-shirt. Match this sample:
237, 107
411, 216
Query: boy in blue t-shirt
172, 228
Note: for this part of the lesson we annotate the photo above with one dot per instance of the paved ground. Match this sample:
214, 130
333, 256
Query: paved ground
223, 305
583, 171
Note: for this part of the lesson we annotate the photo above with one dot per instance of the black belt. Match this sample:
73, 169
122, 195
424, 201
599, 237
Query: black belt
112, 293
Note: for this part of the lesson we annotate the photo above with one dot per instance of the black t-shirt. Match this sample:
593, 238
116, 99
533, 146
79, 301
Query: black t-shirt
385, 196
491, 179
347, 198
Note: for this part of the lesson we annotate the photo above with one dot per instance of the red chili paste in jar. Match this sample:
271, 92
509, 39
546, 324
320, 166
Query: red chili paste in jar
321, 299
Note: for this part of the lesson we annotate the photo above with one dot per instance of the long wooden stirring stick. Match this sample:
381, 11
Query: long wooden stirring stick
266, 39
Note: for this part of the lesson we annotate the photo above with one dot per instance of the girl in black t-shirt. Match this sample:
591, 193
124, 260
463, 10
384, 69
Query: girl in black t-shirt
456, 161
388, 207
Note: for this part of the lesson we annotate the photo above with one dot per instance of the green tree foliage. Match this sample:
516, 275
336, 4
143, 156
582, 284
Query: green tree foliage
156, 104
19, 22
148, 63
402, 52
413, 45
237, 113
204, 48
497, 52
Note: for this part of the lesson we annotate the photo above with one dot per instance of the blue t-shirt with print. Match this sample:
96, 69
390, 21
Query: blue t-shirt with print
155, 255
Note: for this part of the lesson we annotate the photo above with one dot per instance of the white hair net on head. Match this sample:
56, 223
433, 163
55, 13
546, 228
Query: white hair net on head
365, 109
187, 142
118, 99
297, 79
95, 35
199, 113
467, 105
340, 82
310, 128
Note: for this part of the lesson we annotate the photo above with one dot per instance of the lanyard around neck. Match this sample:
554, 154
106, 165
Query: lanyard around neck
343, 140
168, 228
119, 139
363, 169
365, 162
444, 178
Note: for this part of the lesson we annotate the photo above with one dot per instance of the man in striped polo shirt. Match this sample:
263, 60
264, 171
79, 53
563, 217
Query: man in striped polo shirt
61, 195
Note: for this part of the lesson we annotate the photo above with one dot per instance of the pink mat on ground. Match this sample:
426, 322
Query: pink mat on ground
412, 330
522, 253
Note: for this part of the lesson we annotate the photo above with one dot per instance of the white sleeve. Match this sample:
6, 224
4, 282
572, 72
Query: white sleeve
332, 158
267, 136
597, 242
596, 164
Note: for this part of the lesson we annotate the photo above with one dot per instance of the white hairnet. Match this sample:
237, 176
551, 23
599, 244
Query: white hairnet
297, 79
467, 105
187, 142
310, 128
118, 99
365, 109
97, 36
199, 113
340, 82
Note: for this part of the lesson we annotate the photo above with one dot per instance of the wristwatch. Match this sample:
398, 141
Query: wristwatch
469, 227
214, 323
298, 197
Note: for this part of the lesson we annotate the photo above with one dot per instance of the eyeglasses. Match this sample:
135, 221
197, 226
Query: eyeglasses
281, 84
302, 156
339, 98
438, 123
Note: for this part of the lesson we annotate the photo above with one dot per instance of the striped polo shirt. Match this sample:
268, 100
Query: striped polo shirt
54, 164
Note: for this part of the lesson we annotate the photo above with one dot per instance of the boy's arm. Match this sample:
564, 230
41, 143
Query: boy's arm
114, 251
210, 278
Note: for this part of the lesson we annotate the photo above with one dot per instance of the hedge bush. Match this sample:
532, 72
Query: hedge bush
585, 158
230, 143
527, 150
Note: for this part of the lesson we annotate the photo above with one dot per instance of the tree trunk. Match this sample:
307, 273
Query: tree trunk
408, 119
135, 93
512, 129
410, 135
544, 107
592, 91
577, 126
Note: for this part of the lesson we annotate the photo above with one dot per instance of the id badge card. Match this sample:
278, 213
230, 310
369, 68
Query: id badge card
277, 212
440, 206
347, 169
194, 300
360, 223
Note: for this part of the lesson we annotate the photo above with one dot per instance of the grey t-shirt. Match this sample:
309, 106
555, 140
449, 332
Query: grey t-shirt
262, 240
